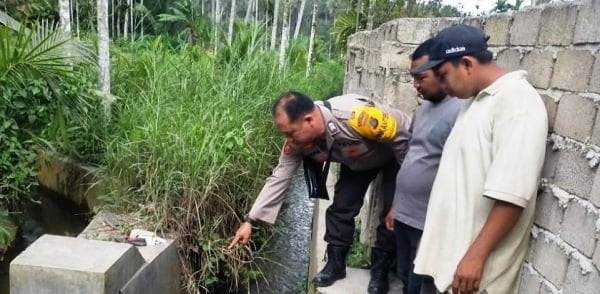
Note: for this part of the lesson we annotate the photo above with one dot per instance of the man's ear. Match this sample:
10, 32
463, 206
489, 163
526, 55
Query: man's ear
469, 63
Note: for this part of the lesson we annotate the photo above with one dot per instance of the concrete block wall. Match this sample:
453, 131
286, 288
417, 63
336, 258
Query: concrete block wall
559, 45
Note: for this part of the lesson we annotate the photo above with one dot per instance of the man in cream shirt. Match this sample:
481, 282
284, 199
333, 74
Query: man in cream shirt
482, 202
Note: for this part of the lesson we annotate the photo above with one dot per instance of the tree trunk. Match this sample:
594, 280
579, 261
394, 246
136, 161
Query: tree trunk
131, 19
284, 33
142, 21
274, 28
217, 23
112, 18
248, 10
410, 7
103, 54
313, 32
118, 28
256, 12
125, 22
65, 16
231, 20
299, 19
370, 14
77, 17
359, 10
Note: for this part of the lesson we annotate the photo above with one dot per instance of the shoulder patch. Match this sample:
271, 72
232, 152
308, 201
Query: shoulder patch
373, 123
333, 128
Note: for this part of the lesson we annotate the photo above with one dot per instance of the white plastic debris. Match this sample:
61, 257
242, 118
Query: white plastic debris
151, 238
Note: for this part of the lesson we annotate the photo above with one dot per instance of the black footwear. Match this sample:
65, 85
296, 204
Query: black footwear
380, 263
335, 268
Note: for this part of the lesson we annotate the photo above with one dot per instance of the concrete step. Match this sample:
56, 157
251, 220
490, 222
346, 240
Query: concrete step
356, 282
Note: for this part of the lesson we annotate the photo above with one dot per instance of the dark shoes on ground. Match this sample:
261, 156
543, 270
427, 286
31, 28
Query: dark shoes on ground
335, 268
380, 264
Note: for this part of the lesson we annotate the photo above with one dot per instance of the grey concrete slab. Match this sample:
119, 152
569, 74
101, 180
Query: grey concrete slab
161, 273
57, 264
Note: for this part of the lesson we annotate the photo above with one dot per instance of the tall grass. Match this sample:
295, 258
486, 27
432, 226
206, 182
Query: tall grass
191, 143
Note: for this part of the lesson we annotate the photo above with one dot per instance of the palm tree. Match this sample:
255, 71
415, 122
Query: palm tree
231, 20
313, 31
104, 55
275, 22
284, 33
299, 18
64, 12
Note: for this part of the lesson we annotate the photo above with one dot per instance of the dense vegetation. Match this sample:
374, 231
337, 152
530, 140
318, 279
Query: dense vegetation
188, 140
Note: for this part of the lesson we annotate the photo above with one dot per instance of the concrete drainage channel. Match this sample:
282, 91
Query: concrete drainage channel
91, 262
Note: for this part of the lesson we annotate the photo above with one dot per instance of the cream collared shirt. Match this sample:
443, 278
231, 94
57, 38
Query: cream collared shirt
494, 152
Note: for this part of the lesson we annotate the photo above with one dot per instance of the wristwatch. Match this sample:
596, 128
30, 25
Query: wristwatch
248, 219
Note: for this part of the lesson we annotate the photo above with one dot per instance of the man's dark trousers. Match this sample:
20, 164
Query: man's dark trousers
348, 199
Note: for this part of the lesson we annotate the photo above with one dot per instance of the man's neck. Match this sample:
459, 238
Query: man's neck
488, 75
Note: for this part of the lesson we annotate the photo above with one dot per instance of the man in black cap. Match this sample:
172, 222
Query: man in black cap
482, 203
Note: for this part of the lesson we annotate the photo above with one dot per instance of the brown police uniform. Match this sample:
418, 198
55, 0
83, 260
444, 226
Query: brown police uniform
366, 138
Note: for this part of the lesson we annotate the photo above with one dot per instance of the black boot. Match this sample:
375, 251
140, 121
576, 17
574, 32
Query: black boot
380, 263
335, 268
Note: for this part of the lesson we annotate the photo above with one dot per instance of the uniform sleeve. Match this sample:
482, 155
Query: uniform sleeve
268, 203
519, 144
404, 128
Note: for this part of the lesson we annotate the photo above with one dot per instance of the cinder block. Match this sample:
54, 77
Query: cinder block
358, 40
530, 284
394, 55
579, 283
575, 117
389, 30
538, 65
526, 27
596, 259
550, 261
579, 228
548, 213
510, 59
573, 173
474, 21
415, 30
497, 27
401, 95
595, 197
595, 78
443, 23
572, 70
551, 107
56, 264
587, 29
558, 24
550, 162
160, 274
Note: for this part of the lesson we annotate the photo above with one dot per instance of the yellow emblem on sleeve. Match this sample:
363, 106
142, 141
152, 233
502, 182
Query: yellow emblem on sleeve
373, 123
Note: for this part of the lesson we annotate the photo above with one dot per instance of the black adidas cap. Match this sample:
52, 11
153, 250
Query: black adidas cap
455, 41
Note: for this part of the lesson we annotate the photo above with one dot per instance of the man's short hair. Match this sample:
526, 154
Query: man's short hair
294, 104
422, 50
483, 57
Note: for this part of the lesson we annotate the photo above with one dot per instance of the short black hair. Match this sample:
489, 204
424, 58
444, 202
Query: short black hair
295, 104
422, 50
484, 57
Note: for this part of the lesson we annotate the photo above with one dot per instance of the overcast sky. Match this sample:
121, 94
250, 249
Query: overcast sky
471, 6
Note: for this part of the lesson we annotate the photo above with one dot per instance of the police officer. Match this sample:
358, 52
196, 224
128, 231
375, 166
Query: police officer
367, 138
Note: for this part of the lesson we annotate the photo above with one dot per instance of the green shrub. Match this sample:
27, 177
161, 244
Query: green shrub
191, 143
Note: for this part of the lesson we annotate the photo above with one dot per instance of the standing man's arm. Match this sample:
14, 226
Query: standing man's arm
519, 144
500, 221
268, 203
